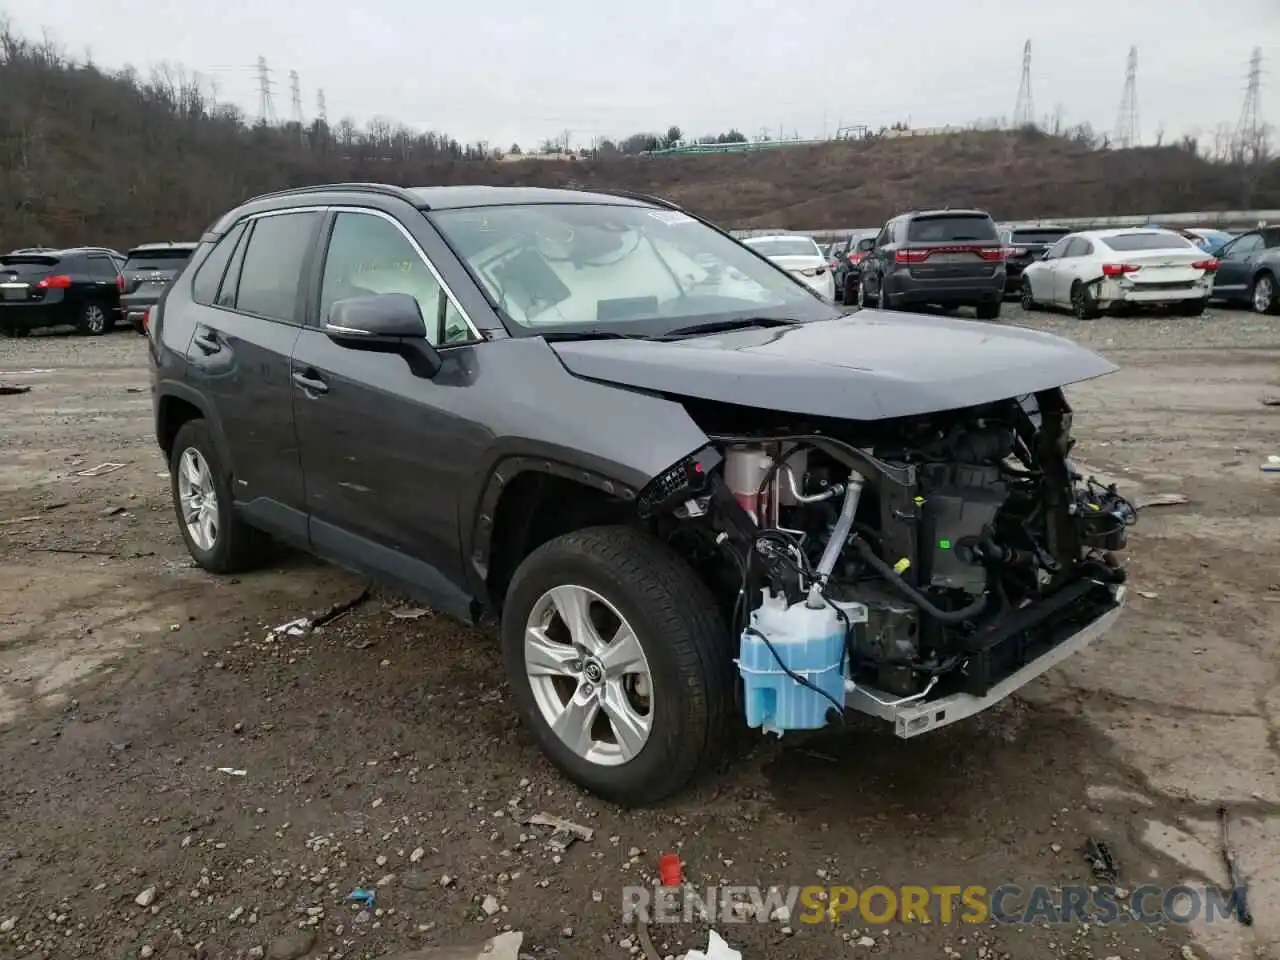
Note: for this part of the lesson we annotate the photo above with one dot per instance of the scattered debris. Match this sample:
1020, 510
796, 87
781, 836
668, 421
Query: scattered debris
646, 942
113, 511
670, 870
12, 389
19, 520
341, 609
1271, 401
410, 613
294, 628
1163, 500
717, 949
1100, 861
363, 897
233, 772
1234, 877
1272, 465
564, 833
490, 905
146, 898
505, 946
1148, 595
101, 469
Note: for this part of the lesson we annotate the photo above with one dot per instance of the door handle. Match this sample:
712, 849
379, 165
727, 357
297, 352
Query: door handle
310, 384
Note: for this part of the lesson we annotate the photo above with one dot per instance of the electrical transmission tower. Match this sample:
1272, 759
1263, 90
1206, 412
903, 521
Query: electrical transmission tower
1126, 132
322, 112
266, 103
1249, 131
1024, 114
295, 97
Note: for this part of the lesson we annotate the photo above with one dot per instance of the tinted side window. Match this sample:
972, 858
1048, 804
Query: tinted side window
369, 255
102, 268
1075, 248
1055, 252
204, 287
1245, 245
273, 259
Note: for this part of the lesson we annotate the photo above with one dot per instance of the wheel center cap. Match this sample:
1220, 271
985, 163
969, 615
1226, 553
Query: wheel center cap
593, 671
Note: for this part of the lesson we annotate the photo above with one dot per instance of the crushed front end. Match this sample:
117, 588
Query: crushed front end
919, 569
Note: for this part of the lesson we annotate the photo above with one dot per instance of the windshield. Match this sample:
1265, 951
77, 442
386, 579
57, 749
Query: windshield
628, 268
784, 246
1146, 241
1038, 236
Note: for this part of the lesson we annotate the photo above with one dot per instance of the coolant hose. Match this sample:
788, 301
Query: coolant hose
911, 593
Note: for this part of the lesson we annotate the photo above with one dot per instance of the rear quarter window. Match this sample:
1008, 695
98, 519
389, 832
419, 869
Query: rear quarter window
951, 229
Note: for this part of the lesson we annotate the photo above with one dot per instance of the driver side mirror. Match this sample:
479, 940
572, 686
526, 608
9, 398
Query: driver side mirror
384, 323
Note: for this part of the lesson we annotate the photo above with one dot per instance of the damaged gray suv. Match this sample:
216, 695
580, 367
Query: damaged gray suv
694, 493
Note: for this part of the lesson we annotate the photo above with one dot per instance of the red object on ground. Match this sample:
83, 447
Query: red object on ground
670, 869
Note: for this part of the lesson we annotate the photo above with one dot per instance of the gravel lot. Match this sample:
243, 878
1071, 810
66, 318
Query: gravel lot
382, 752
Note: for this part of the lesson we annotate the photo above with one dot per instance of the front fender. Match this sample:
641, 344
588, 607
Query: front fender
609, 437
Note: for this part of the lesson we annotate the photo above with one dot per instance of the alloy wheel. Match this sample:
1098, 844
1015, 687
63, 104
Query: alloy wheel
1264, 293
199, 499
95, 319
589, 675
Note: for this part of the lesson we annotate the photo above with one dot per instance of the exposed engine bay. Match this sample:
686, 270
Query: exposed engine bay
907, 559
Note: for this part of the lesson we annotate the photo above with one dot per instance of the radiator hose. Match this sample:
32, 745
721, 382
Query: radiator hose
911, 593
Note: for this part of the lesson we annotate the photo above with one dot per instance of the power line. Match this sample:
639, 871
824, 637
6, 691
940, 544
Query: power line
1249, 130
1024, 112
266, 104
1126, 132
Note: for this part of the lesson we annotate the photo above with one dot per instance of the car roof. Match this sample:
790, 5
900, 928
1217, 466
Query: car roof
456, 197
780, 236
163, 245
1123, 232
948, 212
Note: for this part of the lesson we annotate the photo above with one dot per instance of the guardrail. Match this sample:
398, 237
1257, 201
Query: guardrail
1225, 219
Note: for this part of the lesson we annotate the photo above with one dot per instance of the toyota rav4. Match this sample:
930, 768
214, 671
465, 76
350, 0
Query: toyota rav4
693, 491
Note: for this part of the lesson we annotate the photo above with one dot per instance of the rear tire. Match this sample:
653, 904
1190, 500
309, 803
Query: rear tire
1028, 301
849, 290
234, 546
1083, 306
988, 311
686, 656
1263, 296
94, 321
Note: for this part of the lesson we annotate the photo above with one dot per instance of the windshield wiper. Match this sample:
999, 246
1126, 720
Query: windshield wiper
563, 336
726, 326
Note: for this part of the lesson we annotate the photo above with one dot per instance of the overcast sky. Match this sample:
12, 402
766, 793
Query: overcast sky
524, 70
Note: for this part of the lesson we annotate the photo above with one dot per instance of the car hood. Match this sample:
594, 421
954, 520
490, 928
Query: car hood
871, 365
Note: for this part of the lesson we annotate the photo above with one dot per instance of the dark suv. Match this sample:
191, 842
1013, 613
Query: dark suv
946, 258
149, 269
80, 286
1024, 246
597, 416
846, 263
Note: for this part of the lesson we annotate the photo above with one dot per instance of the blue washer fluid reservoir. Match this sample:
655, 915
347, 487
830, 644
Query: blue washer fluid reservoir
810, 643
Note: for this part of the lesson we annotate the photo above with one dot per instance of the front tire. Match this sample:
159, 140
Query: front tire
1028, 299
217, 539
619, 661
988, 311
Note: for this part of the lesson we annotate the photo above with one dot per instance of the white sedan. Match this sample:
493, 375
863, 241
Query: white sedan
799, 256
1106, 270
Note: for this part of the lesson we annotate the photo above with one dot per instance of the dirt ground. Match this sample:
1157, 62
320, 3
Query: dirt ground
382, 752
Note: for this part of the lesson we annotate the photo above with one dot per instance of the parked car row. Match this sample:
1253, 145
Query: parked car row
90, 288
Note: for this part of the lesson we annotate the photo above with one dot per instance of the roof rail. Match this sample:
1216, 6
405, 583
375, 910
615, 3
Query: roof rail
381, 189
635, 195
